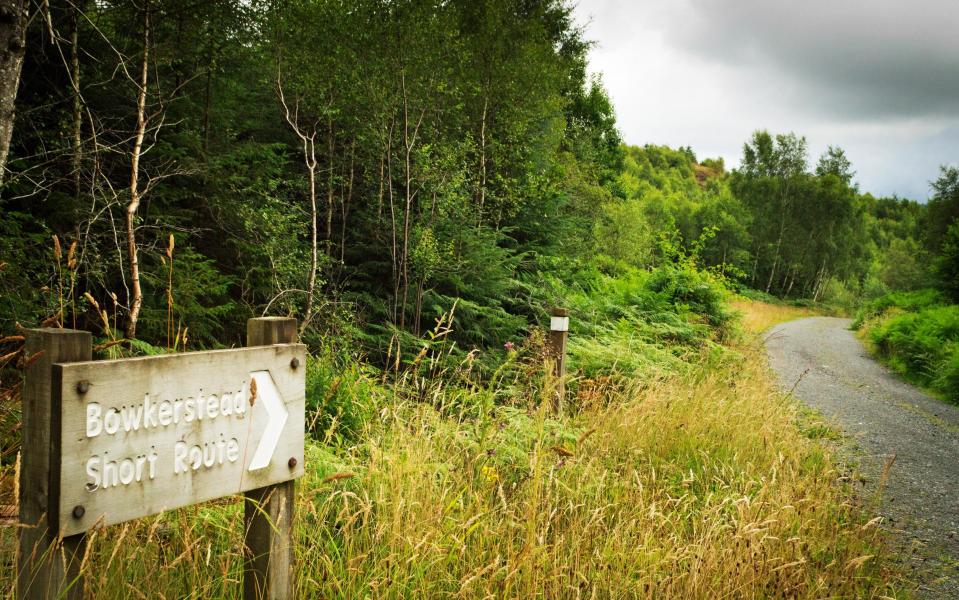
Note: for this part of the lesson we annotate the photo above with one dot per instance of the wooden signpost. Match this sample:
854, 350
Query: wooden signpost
114, 440
558, 335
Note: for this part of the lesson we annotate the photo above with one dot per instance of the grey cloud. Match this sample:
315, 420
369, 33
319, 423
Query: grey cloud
853, 58
880, 78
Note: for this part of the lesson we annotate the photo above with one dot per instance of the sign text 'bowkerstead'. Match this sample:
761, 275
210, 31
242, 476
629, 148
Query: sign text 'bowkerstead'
143, 435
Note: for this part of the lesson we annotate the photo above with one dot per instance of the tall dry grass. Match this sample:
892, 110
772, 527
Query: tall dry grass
692, 487
756, 316
700, 488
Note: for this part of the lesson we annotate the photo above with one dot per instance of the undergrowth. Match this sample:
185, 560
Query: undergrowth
694, 483
917, 335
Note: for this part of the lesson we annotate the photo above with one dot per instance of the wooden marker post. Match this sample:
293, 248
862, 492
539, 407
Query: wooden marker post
558, 334
268, 511
47, 566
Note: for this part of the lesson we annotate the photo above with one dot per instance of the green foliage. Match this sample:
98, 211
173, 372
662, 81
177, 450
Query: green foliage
946, 379
834, 162
904, 301
643, 323
947, 263
264, 244
453, 151
25, 263
942, 210
837, 294
623, 234
919, 338
665, 190
200, 296
340, 396
902, 265
692, 291
806, 227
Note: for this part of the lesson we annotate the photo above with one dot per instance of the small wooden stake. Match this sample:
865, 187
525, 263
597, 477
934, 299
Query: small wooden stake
268, 511
558, 334
47, 567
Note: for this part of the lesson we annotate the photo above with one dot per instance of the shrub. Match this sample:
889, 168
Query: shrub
922, 345
643, 323
906, 301
25, 269
692, 291
339, 397
838, 294
630, 354
947, 380
947, 264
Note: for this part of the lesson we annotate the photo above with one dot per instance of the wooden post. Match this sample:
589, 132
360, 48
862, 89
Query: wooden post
268, 511
558, 334
47, 567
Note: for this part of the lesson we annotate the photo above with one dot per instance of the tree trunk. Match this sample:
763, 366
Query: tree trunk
136, 301
379, 195
394, 244
77, 159
821, 282
418, 305
783, 208
408, 186
482, 182
309, 157
345, 201
779, 243
309, 160
792, 282
330, 189
13, 31
772, 271
407, 210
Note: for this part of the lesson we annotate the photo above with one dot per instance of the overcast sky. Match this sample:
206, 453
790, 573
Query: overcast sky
879, 78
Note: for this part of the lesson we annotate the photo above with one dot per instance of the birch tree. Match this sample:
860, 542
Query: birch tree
14, 17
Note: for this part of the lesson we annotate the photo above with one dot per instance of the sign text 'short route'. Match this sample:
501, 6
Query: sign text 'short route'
144, 435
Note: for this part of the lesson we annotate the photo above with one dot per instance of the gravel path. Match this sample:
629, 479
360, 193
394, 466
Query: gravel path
885, 418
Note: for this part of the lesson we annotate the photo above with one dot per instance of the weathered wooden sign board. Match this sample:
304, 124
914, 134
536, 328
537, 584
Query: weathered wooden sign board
143, 435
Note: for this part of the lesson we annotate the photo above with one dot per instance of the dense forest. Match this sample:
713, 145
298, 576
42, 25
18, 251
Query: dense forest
340, 161
199, 164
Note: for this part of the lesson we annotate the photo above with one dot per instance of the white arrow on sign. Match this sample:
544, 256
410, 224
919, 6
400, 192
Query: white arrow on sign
268, 394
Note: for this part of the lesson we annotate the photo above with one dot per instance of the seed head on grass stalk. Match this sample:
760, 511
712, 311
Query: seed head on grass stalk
169, 293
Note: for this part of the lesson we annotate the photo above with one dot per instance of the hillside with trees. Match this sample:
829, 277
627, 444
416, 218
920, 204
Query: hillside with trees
775, 224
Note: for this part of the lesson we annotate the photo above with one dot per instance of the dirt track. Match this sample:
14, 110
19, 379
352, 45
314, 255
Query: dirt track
830, 370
